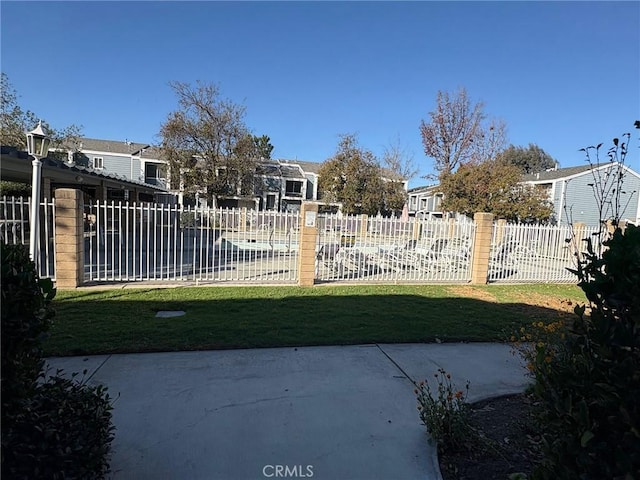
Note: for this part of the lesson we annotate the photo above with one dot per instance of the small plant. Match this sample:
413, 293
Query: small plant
444, 412
538, 343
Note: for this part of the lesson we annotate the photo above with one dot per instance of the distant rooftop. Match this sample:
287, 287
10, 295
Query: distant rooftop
113, 146
556, 174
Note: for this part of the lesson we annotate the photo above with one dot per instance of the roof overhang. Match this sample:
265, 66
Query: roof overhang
16, 166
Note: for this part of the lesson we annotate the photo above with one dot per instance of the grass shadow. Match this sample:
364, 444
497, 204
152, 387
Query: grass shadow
117, 324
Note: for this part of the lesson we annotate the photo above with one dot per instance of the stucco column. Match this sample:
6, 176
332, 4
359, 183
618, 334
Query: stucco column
308, 241
69, 239
481, 248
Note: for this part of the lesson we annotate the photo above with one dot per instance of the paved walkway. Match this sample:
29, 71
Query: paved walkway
313, 412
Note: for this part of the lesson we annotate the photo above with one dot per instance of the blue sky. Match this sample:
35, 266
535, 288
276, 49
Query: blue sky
562, 75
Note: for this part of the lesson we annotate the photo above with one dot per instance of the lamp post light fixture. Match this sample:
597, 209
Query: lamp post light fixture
37, 147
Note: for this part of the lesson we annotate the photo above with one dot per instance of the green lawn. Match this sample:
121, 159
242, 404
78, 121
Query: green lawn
90, 321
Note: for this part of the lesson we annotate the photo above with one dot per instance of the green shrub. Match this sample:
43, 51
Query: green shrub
590, 388
14, 189
26, 317
63, 430
51, 428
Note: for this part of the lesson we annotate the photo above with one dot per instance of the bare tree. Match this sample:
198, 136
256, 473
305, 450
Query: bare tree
399, 160
207, 141
459, 133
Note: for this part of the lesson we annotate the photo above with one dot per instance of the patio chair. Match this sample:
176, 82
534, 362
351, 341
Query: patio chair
352, 262
326, 256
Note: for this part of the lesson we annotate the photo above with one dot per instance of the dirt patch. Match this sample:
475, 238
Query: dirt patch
471, 292
536, 299
509, 443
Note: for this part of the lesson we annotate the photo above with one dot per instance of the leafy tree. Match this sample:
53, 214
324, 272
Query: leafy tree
207, 141
493, 186
460, 133
532, 159
354, 178
15, 122
263, 146
400, 161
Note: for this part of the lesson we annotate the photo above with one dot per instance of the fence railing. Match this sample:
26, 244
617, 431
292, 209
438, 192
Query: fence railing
376, 249
15, 224
534, 253
134, 242
138, 242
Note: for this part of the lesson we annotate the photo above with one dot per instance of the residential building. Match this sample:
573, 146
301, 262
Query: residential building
138, 162
134, 162
280, 185
571, 190
96, 183
424, 202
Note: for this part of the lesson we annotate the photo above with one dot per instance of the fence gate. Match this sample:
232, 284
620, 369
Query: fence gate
535, 253
15, 224
389, 250
134, 242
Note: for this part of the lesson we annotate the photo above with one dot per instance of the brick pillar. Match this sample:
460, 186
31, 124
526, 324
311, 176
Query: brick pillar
452, 228
417, 229
481, 248
501, 224
364, 227
243, 220
308, 240
579, 235
69, 238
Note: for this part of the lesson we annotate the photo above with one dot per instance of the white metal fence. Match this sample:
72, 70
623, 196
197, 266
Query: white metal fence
134, 242
534, 253
15, 224
389, 250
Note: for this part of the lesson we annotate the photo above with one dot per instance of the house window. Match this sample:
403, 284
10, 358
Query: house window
153, 174
151, 170
271, 202
98, 163
293, 188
